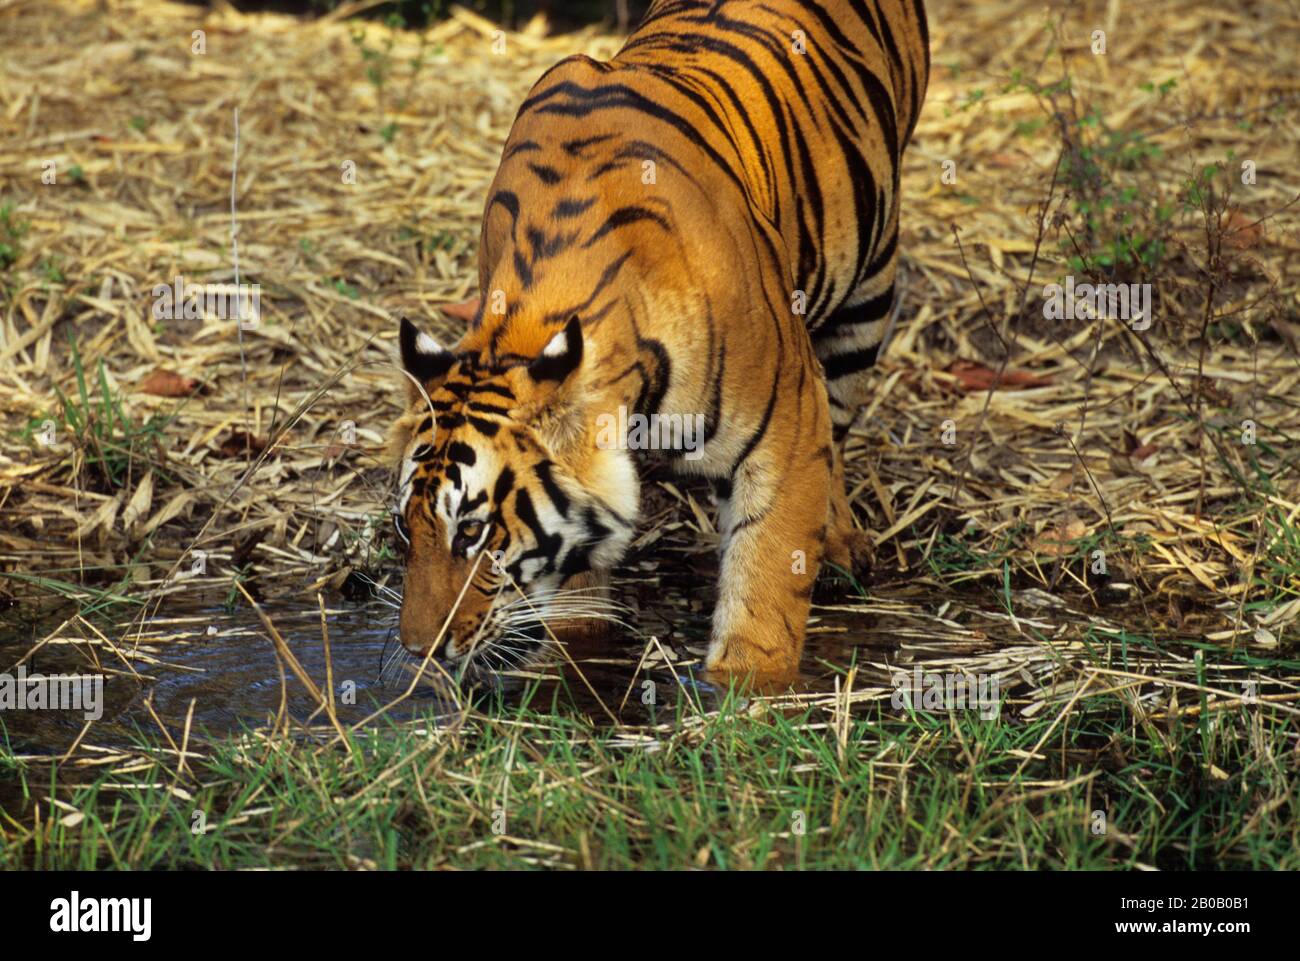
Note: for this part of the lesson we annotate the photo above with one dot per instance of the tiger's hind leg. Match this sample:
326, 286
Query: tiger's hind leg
847, 344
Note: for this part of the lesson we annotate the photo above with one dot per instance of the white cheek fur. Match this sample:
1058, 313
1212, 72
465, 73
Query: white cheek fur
408, 471
450, 497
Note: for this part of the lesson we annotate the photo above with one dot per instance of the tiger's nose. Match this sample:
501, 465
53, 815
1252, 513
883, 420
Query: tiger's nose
447, 650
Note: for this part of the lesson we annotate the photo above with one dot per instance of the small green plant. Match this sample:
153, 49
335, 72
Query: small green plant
113, 448
428, 244
373, 540
1163, 89
1199, 190
344, 288
378, 60
955, 557
307, 248
1278, 570
1111, 229
442, 240
12, 231
51, 271
233, 598
1113, 214
381, 65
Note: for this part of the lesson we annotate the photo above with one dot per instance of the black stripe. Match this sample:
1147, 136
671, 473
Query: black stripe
481, 408
548, 545
714, 420
461, 453
842, 365
505, 483
499, 389
623, 217
576, 147
874, 309
654, 387
487, 428
569, 208
558, 498
525, 146
524, 269
509, 200
546, 174
546, 246
761, 429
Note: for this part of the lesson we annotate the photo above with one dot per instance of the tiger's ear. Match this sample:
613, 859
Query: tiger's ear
423, 358
549, 388
561, 356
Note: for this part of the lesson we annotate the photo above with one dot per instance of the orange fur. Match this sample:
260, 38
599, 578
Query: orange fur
655, 225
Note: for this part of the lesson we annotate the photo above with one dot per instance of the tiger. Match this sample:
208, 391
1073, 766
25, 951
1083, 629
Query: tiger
704, 225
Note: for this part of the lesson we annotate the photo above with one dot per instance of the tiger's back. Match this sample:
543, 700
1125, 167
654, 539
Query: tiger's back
789, 115
815, 103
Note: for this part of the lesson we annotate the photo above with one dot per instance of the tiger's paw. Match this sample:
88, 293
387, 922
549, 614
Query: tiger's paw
847, 564
741, 659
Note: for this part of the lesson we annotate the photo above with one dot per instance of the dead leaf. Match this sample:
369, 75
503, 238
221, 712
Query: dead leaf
539, 26
466, 310
139, 504
1006, 160
1062, 481
172, 509
165, 383
1210, 390
240, 443
1135, 450
1060, 540
1264, 637
1242, 231
102, 518
973, 376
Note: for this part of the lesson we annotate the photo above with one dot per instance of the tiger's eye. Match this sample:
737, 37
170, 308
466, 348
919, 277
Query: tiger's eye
467, 535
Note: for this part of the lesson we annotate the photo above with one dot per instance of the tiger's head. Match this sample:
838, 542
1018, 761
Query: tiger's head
505, 499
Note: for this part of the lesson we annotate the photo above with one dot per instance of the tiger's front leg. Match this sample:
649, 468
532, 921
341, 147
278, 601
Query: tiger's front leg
773, 529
